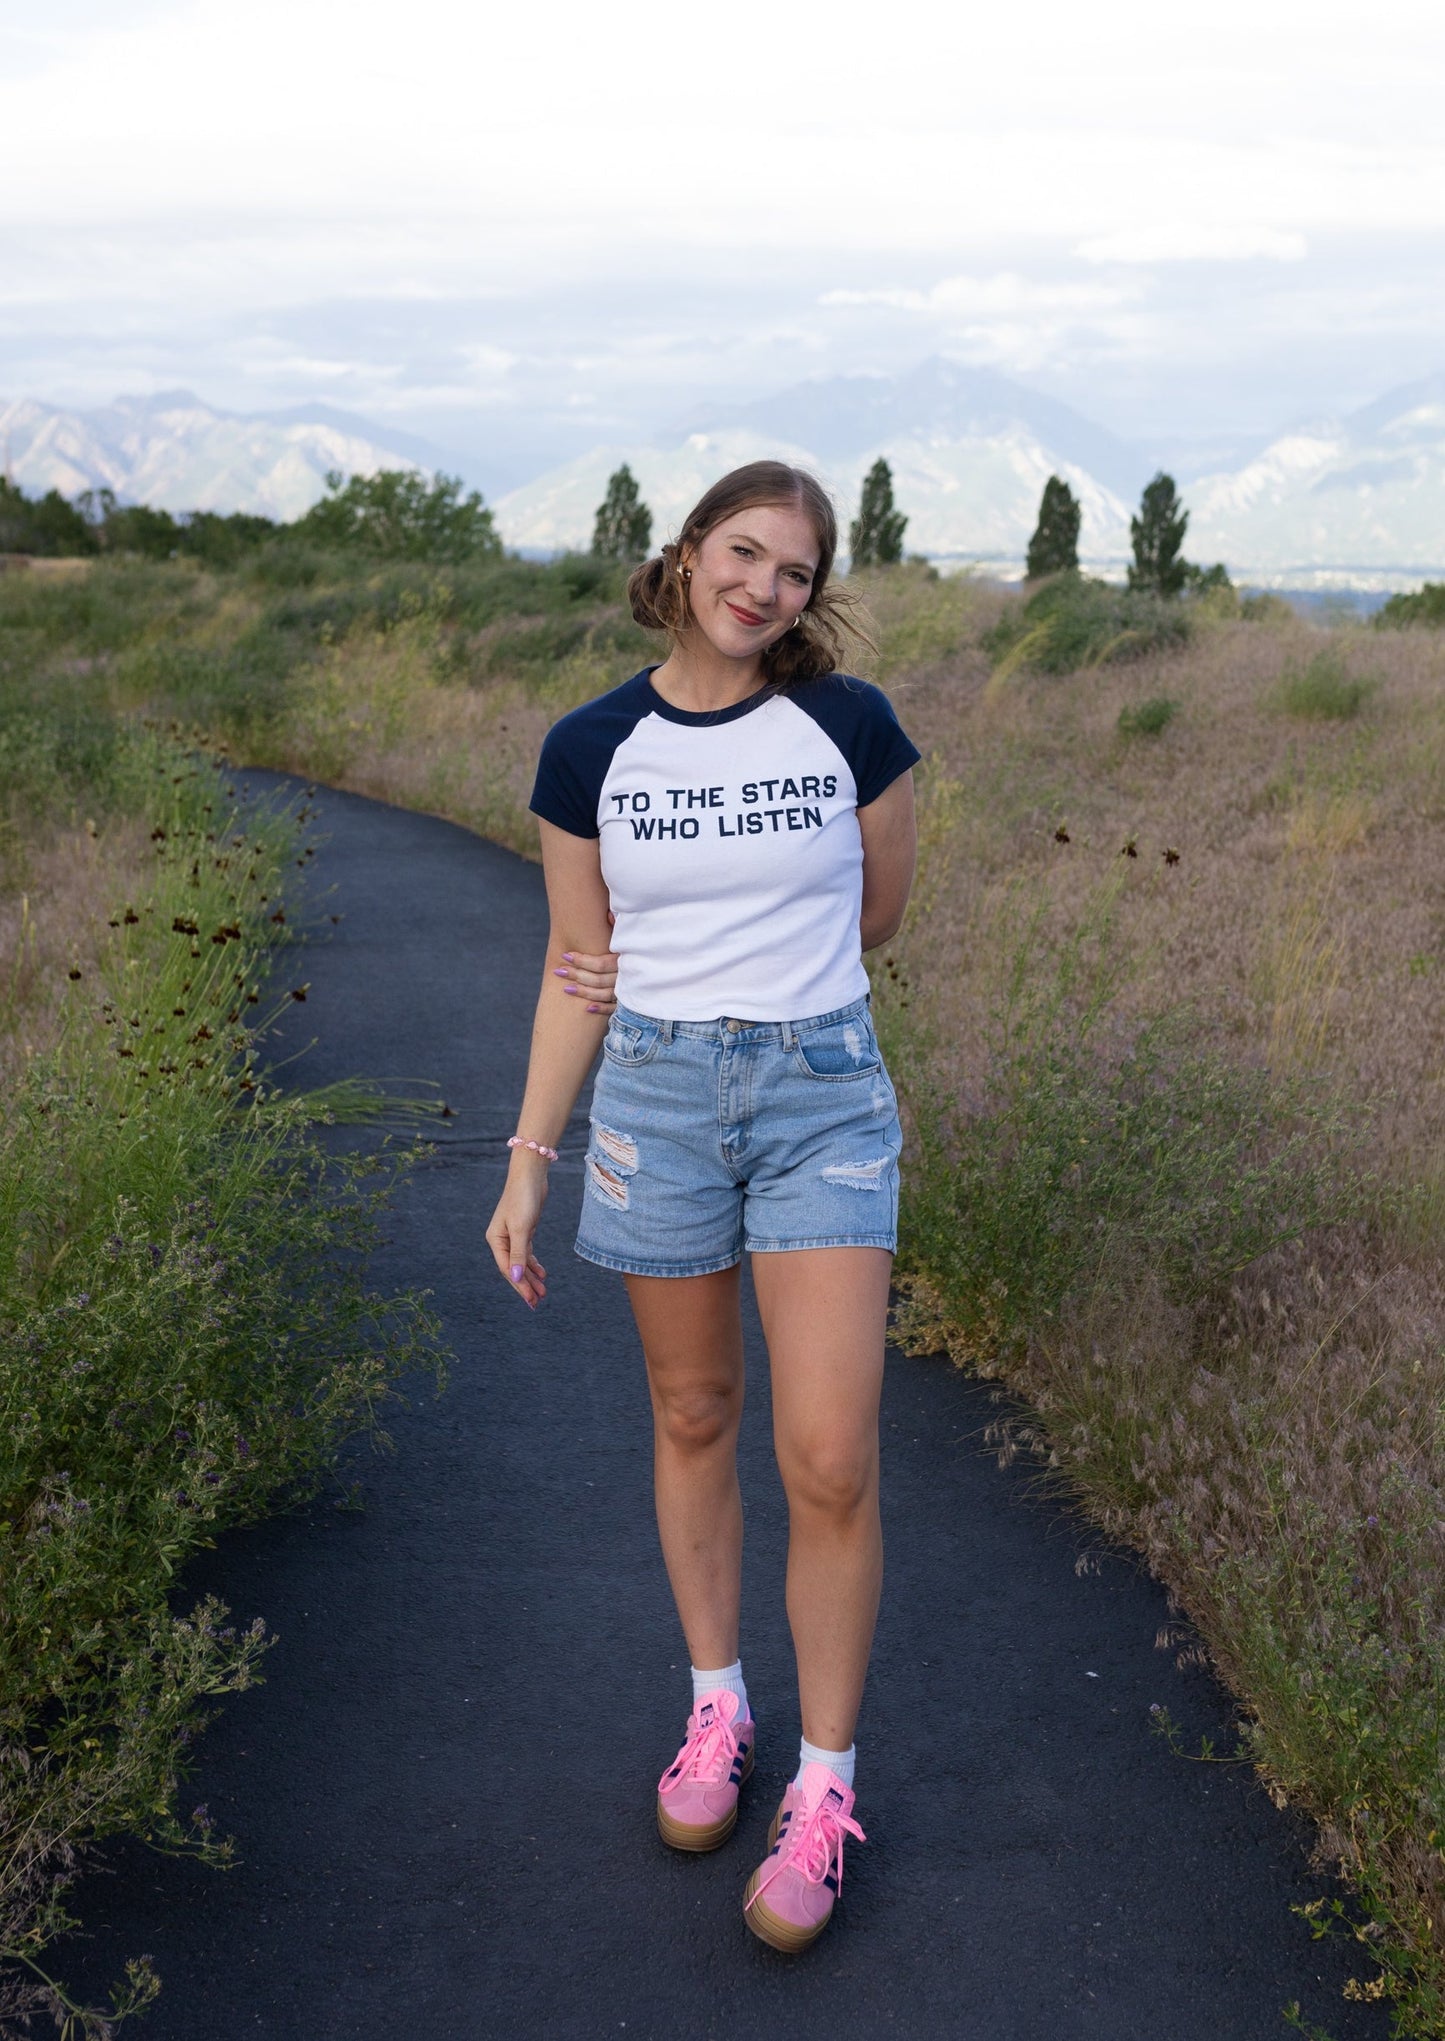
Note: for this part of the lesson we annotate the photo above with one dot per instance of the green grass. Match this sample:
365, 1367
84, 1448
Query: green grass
1324, 689
1148, 719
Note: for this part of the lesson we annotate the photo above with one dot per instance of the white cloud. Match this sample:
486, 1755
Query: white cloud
997, 296
1186, 242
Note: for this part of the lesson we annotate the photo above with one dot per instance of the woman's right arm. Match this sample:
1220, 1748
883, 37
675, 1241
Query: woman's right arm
564, 1041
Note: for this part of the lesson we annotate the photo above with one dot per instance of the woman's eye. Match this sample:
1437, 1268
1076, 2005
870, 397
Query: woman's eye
746, 551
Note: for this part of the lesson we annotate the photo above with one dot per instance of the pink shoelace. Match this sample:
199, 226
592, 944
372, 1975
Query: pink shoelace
811, 1844
707, 1756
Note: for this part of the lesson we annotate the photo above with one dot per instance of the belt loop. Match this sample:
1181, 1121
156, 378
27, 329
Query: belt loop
667, 1033
790, 1034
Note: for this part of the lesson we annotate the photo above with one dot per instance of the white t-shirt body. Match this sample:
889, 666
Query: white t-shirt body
729, 840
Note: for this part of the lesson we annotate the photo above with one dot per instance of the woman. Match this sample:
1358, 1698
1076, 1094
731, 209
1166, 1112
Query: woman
746, 814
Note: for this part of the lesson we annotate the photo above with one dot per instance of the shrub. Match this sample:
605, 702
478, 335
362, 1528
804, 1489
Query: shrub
1075, 622
1323, 689
1087, 1159
186, 1339
1263, 607
1147, 719
1425, 606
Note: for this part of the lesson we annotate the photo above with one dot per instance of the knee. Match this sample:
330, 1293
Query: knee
695, 1420
831, 1477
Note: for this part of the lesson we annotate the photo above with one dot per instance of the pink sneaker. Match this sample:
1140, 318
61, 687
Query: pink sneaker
789, 1898
697, 1796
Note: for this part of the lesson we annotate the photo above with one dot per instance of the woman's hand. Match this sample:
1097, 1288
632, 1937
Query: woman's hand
592, 978
514, 1225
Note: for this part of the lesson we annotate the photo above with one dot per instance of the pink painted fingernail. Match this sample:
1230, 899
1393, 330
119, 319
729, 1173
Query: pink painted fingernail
560, 973
517, 1272
572, 990
594, 1009
566, 956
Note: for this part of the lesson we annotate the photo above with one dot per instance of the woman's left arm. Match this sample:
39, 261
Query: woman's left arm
890, 852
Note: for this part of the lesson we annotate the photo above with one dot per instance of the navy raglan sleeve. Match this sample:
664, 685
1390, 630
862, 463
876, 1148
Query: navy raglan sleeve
568, 782
884, 749
860, 720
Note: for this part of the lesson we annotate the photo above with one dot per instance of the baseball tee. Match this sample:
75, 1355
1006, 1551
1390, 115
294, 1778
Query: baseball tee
729, 840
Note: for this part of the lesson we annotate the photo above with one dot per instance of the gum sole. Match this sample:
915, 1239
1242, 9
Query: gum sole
766, 1925
778, 1934
680, 1835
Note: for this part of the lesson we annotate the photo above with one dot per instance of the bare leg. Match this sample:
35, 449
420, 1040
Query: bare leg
825, 1314
692, 1338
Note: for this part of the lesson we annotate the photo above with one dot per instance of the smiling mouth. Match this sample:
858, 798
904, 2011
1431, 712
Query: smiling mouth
745, 616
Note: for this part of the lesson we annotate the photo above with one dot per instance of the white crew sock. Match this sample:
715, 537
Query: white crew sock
839, 1761
729, 1676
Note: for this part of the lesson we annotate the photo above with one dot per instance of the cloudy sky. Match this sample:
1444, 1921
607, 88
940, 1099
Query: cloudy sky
520, 231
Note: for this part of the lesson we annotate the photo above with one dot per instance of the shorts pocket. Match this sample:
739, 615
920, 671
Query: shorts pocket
631, 1042
840, 1052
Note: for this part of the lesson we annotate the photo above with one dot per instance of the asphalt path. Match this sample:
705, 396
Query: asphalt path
443, 1791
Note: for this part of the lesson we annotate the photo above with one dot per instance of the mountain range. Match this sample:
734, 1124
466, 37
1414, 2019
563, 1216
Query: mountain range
1354, 499
176, 453
1360, 498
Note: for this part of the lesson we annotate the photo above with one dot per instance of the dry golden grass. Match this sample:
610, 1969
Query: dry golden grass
1304, 921
53, 920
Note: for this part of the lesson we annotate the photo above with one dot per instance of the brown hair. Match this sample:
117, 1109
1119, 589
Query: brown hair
832, 622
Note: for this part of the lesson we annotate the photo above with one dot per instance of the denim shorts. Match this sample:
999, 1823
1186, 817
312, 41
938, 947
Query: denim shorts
711, 1138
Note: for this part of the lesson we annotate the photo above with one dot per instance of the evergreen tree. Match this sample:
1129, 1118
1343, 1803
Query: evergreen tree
1054, 547
875, 537
624, 523
1158, 533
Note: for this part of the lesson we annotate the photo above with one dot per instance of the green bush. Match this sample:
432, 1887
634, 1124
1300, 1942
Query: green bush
1147, 719
1425, 606
1323, 690
1075, 622
186, 1340
1265, 608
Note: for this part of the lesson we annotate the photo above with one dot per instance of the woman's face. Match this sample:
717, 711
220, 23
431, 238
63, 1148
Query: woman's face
751, 576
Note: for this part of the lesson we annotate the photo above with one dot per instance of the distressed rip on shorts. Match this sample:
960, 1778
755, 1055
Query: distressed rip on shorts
715, 1138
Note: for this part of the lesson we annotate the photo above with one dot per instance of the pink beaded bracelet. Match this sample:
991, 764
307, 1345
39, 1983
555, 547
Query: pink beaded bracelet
537, 1147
